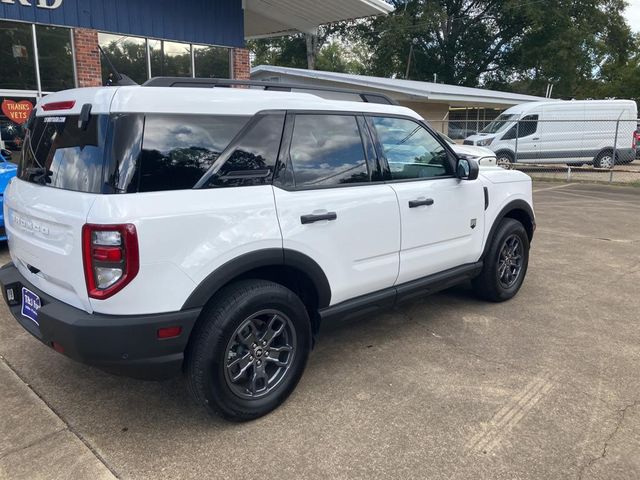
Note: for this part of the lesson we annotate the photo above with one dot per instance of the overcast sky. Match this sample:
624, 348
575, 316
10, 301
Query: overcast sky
633, 15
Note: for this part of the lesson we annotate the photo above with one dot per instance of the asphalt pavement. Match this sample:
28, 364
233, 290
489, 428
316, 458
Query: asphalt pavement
448, 387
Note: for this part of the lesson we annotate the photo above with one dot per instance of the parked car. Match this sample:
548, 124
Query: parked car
559, 131
459, 131
7, 172
482, 155
158, 230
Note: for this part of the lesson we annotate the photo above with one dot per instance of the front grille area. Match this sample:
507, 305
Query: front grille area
468, 142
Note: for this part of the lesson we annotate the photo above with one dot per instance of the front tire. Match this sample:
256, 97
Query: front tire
604, 160
505, 160
505, 264
249, 350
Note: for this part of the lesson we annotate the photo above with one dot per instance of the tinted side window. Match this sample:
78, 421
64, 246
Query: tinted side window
177, 150
411, 150
122, 170
252, 159
528, 126
327, 150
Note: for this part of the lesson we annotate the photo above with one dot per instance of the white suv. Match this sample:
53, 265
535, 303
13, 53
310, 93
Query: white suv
157, 229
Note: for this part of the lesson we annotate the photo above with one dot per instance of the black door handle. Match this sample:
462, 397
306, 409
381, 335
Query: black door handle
304, 219
420, 203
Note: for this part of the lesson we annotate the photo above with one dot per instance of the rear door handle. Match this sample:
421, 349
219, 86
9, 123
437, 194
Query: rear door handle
537, 138
304, 219
420, 202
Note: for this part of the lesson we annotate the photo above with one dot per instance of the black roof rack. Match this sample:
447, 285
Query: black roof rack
368, 97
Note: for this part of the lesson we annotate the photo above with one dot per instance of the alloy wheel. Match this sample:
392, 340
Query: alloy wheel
259, 354
510, 261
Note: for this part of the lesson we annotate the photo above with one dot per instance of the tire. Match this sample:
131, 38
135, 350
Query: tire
262, 307
604, 160
489, 284
505, 160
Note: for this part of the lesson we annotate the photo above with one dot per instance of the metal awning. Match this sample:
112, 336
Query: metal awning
267, 18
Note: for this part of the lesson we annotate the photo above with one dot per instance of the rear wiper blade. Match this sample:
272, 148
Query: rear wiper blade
39, 175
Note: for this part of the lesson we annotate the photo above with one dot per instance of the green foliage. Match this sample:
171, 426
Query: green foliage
584, 48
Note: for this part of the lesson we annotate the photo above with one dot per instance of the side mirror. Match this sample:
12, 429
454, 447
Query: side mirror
467, 169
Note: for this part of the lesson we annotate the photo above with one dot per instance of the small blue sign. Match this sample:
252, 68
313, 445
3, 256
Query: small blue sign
30, 305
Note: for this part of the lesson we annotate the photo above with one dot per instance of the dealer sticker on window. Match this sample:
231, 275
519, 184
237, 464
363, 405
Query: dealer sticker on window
30, 305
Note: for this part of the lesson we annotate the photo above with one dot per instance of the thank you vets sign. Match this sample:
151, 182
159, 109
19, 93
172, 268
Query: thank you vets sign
17, 112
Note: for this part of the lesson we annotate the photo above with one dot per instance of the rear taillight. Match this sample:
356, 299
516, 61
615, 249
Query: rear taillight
111, 259
634, 143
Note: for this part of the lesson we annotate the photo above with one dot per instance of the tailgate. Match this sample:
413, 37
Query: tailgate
44, 229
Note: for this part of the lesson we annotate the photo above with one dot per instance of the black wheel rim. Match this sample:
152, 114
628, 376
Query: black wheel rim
510, 261
259, 354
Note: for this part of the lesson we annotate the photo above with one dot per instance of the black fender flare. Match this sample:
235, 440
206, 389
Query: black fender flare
260, 258
514, 205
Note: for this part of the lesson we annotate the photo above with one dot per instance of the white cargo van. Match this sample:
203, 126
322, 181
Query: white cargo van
559, 131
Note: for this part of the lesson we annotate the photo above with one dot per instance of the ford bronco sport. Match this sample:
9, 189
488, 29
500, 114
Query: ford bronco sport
161, 229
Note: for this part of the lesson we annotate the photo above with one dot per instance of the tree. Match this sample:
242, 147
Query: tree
304, 50
581, 47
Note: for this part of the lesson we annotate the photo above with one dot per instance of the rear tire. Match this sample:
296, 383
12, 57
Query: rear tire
249, 350
505, 264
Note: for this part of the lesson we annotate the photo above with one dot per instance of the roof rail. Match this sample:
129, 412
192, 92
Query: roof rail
368, 97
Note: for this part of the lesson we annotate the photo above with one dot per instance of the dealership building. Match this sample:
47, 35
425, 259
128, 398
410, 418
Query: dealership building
52, 45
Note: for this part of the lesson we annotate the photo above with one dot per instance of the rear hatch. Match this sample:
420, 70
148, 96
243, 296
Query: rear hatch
59, 176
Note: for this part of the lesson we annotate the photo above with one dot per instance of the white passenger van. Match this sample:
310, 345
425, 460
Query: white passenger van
559, 131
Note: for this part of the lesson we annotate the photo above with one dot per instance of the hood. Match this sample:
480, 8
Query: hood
481, 136
473, 151
484, 156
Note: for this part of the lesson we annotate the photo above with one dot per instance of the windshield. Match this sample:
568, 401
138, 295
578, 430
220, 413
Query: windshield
499, 123
59, 153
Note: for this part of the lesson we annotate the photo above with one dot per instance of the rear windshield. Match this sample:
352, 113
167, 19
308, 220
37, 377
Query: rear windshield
58, 153
125, 153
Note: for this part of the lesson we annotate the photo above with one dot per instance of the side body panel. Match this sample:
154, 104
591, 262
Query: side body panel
443, 235
504, 187
184, 236
358, 251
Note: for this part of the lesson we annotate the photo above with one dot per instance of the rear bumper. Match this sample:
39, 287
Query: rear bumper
121, 344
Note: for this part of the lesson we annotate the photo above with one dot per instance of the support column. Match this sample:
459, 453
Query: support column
87, 57
240, 64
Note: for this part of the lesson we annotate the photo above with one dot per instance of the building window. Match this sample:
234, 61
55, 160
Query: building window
211, 62
55, 58
17, 66
128, 55
170, 59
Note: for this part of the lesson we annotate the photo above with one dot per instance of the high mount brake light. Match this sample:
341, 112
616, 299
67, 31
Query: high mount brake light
111, 258
65, 105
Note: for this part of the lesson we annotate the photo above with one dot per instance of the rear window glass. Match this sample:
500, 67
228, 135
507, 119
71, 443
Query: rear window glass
60, 154
178, 150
